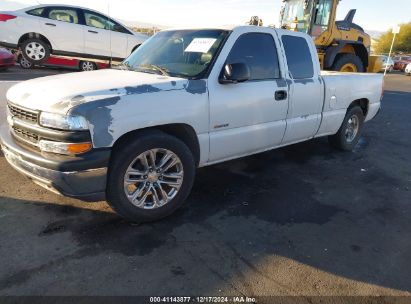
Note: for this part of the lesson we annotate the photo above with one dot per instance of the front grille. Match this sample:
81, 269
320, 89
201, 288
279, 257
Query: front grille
24, 114
25, 135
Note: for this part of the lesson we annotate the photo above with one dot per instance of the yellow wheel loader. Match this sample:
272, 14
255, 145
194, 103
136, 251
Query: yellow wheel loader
342, 45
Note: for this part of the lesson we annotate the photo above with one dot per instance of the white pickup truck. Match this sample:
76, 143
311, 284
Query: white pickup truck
185, 99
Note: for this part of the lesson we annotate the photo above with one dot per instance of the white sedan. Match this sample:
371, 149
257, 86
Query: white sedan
408, 69
66, 30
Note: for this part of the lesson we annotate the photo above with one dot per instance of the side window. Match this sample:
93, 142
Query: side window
95, 20
299, 59
115, 27
63, 14
36, 12
259, 52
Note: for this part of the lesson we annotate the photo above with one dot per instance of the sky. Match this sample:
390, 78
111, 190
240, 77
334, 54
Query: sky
377, 15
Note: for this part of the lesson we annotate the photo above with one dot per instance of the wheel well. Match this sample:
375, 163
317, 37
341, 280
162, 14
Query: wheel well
361, 52
183, 132
343, 48
362, 103
33, 35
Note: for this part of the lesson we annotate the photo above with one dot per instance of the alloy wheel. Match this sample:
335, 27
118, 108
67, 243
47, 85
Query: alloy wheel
153, 179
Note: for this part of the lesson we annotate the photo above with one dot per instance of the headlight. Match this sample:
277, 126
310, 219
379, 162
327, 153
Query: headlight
64, 148
63, 122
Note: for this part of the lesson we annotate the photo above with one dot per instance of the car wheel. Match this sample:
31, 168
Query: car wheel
86, 66
3, 69
24, 63
150, 176
350, 132
36, 51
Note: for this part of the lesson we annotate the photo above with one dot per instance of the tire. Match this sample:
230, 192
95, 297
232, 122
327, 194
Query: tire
4, 69
344, 59
125, 157
342, 140
87, 66
36, 50
24, 63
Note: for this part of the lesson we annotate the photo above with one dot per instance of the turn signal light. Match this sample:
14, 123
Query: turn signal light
78, 148
6, 17
64, 148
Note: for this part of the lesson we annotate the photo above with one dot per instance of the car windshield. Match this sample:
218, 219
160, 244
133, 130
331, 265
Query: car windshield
183, 53
296, 10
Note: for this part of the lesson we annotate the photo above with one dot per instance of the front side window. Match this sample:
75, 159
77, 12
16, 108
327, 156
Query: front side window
63, 15
95, 20
259, 52
185, 53
299, 60
322, 16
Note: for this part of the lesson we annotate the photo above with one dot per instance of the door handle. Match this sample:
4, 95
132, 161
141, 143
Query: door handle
51, 24
93, 32
281, 95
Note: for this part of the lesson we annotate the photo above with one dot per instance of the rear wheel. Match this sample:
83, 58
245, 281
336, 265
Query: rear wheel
36, 50
350, 132
87, 66
348, 63
150, 177
24, 63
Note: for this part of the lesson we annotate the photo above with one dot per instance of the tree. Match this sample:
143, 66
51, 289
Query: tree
402, 41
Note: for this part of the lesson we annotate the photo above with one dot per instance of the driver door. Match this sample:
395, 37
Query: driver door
246, 117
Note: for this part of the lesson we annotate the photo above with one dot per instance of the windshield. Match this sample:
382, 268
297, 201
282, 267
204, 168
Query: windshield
297, 9
185, 53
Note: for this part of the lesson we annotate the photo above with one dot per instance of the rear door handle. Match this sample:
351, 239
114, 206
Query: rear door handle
94, 32
51, 24
281, 95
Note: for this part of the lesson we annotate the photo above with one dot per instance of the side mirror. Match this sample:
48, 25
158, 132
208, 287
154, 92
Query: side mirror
235, 73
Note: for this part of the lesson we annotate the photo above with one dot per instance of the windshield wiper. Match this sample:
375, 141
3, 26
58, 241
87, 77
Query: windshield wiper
122, 66
157, 68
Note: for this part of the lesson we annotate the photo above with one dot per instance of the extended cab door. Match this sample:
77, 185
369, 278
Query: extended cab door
247, 117
62, 28
306, 87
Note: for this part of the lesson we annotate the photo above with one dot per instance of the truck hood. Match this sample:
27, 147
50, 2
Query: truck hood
58, 94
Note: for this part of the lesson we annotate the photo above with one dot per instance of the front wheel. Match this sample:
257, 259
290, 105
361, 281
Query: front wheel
350, 132
349, 63
150, 177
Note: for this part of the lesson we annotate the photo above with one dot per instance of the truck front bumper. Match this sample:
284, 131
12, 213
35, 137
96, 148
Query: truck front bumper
74, 180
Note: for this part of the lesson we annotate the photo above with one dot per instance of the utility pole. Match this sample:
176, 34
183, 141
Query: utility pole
395, 31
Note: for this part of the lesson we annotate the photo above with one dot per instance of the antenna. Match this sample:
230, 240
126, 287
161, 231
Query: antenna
110, 30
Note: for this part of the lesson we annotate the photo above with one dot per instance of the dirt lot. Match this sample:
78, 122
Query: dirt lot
305, 220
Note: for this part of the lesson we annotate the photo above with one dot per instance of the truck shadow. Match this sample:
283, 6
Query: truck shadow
323, 209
